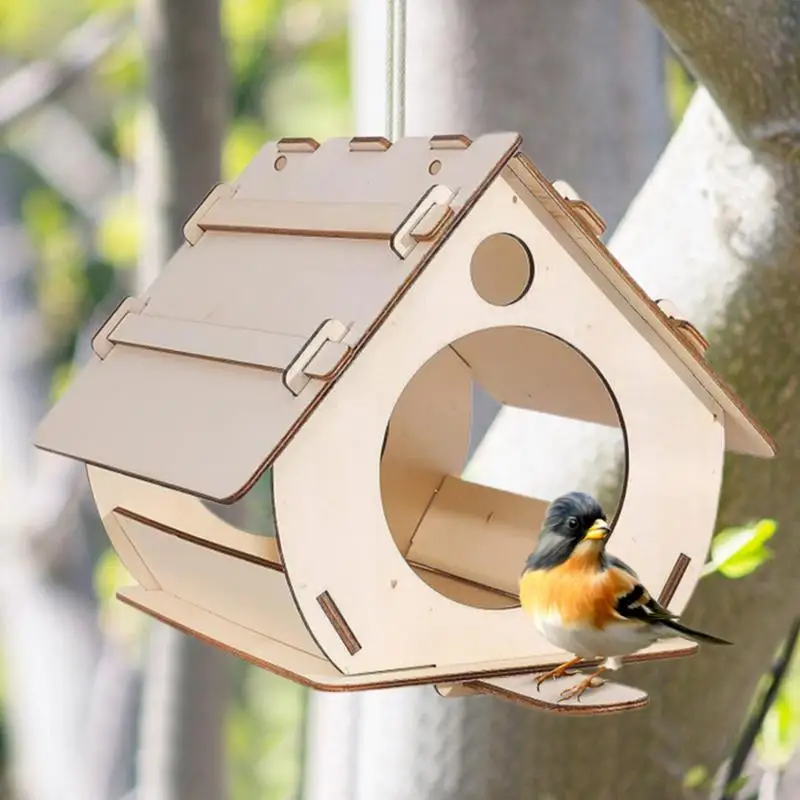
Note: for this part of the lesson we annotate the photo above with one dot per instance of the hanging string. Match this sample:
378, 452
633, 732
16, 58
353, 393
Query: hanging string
395, 69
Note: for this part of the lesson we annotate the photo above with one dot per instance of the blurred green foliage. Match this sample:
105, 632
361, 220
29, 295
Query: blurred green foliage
736, 552
289, 67
680, 88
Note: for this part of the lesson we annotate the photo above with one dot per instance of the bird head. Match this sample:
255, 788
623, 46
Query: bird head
571, 521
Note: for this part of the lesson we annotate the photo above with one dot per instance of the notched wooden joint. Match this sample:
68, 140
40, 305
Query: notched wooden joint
587, 215
450, 141
425, 221
682, 326
369, 144
674, 579
339, 623
101, 343
312, 360
192, 230
455, 689
300, 144
580, 208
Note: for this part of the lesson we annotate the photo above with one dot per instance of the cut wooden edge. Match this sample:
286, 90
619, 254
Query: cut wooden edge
369, 144
610, 698
757, 441
450, 141
297, 144
269, 560
321, 674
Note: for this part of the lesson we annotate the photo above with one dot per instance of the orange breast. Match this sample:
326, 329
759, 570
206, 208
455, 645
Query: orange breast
577, 590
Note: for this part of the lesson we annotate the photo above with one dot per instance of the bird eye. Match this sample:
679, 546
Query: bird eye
572, 523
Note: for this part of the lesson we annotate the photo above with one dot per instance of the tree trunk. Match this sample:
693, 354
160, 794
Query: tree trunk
187, 682
715, 230
584, 83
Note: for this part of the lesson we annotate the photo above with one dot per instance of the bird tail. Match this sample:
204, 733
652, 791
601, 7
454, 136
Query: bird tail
698, 636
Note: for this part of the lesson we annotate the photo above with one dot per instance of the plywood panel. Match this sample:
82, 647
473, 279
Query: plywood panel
251, 595
169, 418
538, 372
176, 510
399, 620
251, 645
428, 438
478, 533
463, 591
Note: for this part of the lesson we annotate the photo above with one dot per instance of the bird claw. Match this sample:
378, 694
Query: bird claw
567, 673
560, 671
579, 688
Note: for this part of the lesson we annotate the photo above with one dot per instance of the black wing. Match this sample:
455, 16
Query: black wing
637, 604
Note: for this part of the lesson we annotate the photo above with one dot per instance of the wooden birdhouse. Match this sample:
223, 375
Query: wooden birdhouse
325, 321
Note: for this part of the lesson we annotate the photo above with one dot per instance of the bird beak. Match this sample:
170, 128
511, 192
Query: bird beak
599, 531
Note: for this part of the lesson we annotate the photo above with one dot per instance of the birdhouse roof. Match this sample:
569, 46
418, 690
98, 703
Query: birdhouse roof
201, 381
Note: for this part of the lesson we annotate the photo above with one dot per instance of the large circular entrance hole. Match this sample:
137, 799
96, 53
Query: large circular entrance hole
465, 525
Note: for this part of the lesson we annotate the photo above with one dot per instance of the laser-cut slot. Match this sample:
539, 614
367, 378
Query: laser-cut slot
339, 623
674, 579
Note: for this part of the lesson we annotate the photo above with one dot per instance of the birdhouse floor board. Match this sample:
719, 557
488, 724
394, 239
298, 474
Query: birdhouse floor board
318, 673
257, 648
463, 590
477, 533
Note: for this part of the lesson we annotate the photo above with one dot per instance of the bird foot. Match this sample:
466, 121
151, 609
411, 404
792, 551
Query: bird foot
559, 672
592, 682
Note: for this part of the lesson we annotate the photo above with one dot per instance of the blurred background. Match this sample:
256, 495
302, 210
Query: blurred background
116, 117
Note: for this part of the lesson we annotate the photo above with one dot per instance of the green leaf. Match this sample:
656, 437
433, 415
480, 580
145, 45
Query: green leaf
737, 784
695, 777
744, 563
736, 552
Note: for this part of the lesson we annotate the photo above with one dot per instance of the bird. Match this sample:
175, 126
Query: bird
586, 601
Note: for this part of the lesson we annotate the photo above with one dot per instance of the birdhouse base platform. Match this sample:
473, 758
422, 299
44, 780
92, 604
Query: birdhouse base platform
609, 698
516, 683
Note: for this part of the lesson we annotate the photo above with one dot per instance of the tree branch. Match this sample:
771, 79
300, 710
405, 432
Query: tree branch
745, 53
751, 730
37, 83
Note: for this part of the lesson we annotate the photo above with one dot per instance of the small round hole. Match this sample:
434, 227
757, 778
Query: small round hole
280, 162
501, 269
434, 167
